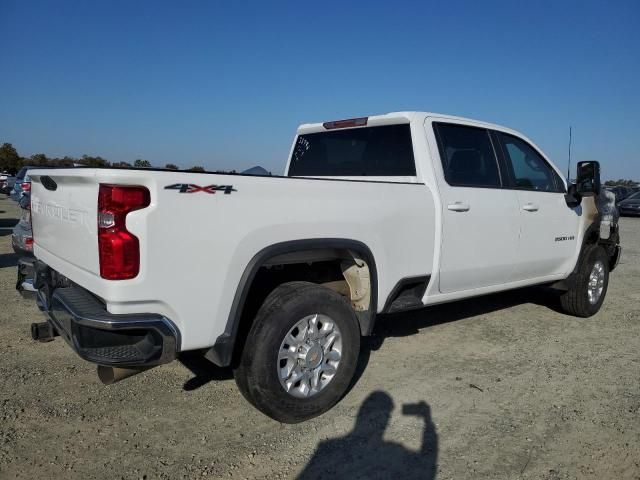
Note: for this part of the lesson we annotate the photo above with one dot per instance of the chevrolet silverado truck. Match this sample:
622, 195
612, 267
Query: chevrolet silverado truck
279, 277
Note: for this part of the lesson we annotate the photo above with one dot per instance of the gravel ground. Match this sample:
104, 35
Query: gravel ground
498, 387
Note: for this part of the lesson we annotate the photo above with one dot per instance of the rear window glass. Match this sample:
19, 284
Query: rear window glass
467, 155
22, 172
371, 151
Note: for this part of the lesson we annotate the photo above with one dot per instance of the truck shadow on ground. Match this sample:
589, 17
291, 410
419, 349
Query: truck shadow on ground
364, 453
403, 324
203, 370
9, 259
397, 325
7, 224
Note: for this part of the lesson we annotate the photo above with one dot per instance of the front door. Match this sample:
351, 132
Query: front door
548, 226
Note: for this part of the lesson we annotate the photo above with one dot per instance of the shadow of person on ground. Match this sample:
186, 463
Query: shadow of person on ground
364, 453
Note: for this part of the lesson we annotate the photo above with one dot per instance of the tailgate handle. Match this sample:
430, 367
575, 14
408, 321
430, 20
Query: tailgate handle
48, 183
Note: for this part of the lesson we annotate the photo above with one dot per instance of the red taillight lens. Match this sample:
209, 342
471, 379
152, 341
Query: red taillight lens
119, 249
30, 220
26, 186
28, 243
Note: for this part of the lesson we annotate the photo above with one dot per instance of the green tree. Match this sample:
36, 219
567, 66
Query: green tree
62, 162
140, 163
39, 159
9, 158
171, 166
121, 164
196, 169
90, 161
621, 182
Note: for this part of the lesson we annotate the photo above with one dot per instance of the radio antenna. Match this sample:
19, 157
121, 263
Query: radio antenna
569, 165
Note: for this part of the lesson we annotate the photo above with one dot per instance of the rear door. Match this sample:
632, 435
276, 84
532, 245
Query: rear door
480, 218
548, 226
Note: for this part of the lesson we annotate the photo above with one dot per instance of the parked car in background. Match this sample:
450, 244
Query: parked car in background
620, 192
6, 182
22, 237
630, 205
3, 182
22, 184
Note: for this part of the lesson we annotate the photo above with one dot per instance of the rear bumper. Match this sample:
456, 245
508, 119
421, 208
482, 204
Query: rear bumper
100, 337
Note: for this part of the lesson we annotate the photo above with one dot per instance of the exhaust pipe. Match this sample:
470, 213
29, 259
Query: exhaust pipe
43, 332
111, 375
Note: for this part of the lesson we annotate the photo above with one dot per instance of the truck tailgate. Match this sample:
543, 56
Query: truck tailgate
64, 207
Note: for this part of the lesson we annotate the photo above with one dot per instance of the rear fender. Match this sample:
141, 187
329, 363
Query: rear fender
223, 350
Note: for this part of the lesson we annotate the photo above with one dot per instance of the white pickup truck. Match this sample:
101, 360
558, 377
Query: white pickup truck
280, 277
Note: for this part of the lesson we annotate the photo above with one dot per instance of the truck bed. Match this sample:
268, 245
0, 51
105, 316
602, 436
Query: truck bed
201, 230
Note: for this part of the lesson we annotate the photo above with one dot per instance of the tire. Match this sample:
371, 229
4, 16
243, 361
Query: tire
577, 301
259, 371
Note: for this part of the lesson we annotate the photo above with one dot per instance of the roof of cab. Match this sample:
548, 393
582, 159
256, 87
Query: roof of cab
406, 117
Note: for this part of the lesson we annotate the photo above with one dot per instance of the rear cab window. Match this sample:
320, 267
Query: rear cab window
381, 151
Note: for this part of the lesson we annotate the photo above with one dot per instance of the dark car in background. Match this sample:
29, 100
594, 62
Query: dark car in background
22, 237
620, 192
630, 205
22, 184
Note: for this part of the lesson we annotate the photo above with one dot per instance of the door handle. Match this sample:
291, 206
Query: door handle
458, 207
530, 207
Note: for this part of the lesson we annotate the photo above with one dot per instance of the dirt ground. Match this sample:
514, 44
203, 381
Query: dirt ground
497, 387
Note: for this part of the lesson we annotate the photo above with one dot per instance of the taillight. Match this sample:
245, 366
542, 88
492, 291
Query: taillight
119, 249
28, 243
30, 220
26, 186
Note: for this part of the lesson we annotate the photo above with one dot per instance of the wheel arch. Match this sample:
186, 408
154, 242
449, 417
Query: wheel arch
224, 351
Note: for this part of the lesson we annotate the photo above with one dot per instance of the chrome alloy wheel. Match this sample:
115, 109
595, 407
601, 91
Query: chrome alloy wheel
596, 282
309, 356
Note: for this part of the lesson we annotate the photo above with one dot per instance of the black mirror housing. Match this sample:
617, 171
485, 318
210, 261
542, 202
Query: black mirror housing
588, 177
572, 197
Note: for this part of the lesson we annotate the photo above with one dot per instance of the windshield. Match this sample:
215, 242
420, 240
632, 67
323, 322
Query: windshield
634, 196
372, 151
22, 173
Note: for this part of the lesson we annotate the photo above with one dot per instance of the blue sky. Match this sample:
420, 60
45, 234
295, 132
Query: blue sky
224, 84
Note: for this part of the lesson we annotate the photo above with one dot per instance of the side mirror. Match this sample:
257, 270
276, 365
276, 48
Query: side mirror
572, 197
588, 177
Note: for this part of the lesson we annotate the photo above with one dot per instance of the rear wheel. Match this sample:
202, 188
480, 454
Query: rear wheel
587, 294
301, 352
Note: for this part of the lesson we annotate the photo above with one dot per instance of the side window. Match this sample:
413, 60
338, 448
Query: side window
468, 157
530, 170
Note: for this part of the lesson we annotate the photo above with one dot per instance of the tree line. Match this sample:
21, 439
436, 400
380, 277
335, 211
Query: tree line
621, 183
12, 162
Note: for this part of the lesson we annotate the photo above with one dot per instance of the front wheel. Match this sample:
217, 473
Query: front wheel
301, 353
587, 294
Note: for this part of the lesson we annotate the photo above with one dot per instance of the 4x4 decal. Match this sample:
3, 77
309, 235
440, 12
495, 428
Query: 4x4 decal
192, 188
